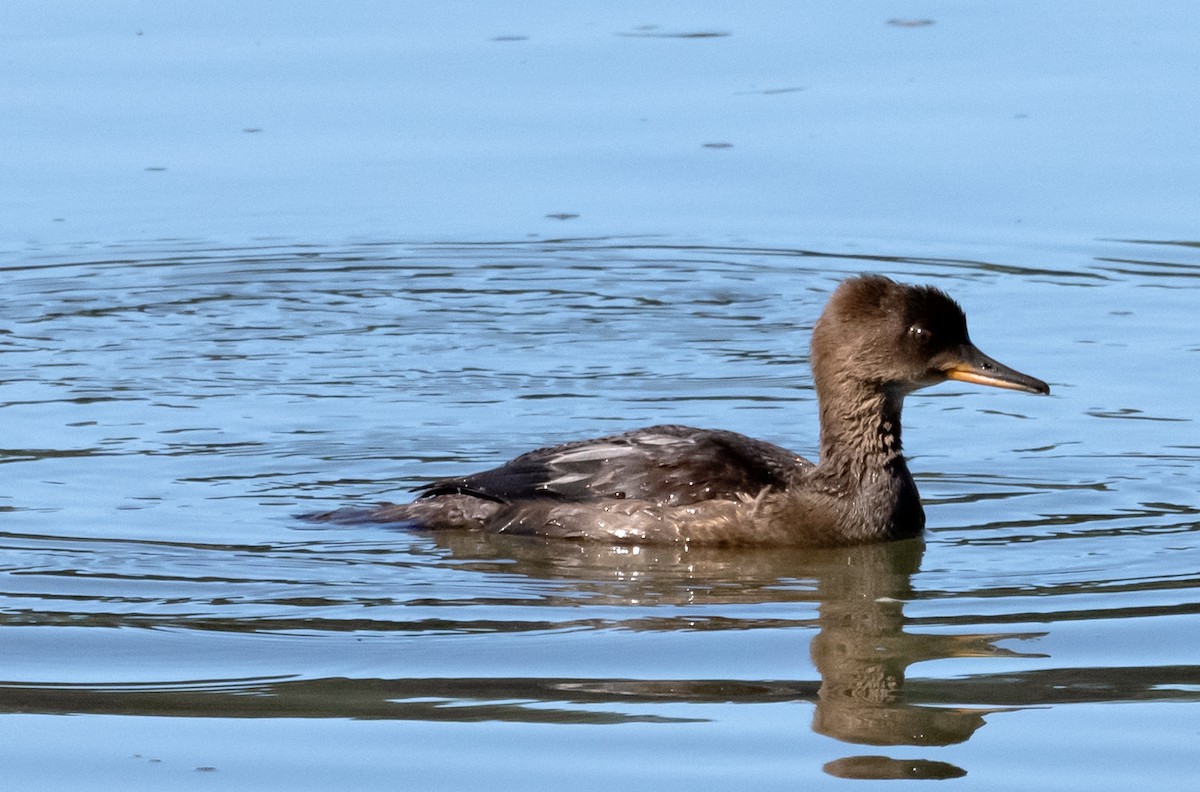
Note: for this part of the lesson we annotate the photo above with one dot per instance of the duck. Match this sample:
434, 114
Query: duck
876, 341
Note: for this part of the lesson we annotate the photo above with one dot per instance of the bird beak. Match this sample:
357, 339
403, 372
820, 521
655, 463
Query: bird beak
971, 365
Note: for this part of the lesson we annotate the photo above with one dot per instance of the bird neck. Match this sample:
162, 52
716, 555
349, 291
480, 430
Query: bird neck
860, 433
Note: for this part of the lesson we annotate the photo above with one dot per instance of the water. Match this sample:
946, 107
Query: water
191, 357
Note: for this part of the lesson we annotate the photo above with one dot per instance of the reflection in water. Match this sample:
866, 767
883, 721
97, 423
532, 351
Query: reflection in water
881, 767
860, 650
163, 402
862, 653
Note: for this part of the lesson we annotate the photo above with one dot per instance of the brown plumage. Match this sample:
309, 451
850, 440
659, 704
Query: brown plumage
876, 341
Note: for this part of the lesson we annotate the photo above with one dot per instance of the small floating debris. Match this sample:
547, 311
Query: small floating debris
717, 145
562, 216
910, 23
773, 91
155, 169
652, 31
252, 130
509, 38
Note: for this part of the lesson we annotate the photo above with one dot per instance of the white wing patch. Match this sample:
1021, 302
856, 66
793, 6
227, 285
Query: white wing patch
591, 453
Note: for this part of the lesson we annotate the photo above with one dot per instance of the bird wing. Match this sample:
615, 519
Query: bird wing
671, 465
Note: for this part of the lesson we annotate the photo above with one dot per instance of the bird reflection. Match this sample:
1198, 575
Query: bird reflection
862, 654
860, 648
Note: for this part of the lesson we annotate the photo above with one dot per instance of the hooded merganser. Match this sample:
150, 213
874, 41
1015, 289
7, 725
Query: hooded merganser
876, 342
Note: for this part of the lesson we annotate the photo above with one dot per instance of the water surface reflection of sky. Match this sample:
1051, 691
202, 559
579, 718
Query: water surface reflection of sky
264, 258
760, 121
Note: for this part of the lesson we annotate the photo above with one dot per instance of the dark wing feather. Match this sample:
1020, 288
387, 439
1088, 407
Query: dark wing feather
673, 465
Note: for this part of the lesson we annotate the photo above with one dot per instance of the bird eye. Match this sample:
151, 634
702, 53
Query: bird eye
920, 333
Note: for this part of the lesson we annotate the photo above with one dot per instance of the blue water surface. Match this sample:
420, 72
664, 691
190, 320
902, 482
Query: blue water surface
263, 259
